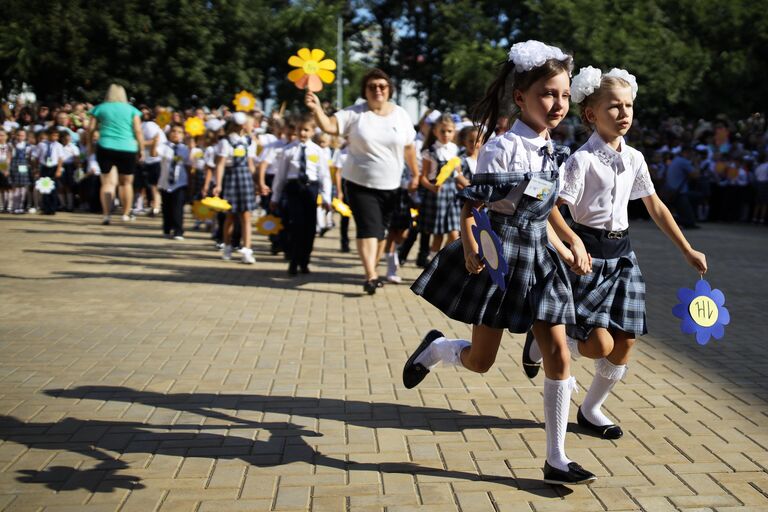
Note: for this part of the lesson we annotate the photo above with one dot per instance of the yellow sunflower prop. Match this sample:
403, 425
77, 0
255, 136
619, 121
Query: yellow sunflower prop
194, 126
446, 170
269, 225
216, 204
244, 101
202, 212
341, 207
163, 118
312, 70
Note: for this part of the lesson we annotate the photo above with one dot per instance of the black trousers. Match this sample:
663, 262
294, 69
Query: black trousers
173, 211
49, 203
301, 213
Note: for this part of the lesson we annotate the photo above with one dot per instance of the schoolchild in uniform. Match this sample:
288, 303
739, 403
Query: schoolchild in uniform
340, 154
516, 176
235, 167
599, 180
6, 155
21, 171
301, 175
154, 137
50, 158
285, 132
469, 142
173, 181
71, 166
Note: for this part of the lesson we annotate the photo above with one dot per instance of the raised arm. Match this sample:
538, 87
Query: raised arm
329, 125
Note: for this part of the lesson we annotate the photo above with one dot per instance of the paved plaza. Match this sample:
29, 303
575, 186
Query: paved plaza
142, 374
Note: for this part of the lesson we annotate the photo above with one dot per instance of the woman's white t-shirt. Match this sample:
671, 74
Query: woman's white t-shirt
375, 157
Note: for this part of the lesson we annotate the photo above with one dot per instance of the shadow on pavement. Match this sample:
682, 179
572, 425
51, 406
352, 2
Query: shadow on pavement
284, 443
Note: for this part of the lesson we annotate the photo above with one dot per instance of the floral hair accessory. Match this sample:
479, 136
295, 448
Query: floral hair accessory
585, 83
532, 54
627, 77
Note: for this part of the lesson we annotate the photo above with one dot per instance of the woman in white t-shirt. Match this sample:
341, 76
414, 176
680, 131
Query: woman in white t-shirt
380, 138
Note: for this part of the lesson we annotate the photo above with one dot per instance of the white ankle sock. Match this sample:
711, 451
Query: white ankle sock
557, 401
573, 346
607, 375
442, 349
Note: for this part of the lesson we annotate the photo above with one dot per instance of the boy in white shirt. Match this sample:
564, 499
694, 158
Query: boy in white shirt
50, 157
302, 173
173, 181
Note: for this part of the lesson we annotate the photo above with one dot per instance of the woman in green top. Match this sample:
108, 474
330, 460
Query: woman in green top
119, 138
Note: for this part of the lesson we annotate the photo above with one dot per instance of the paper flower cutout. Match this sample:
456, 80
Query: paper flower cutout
702, 312
216, 204
490, 248
341, 207
414, 213
163, 118
45, 185
244, 101
312, 70
447, 170
194, 126
202, 212
269, 225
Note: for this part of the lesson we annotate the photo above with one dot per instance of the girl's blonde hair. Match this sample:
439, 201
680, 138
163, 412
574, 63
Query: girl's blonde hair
606, 84
444, 119
116, 93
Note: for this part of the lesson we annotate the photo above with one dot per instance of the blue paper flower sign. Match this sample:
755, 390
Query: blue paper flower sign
702, 312
489, 248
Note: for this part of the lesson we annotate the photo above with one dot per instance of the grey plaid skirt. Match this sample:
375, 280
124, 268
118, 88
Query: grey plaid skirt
611, 296
537, 285
237, 188
440, 213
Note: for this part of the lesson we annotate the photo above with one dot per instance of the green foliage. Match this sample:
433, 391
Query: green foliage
690, 56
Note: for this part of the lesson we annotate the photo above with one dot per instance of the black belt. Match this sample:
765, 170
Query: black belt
604, 244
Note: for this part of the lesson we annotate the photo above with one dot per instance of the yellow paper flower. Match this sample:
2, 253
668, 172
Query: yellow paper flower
194, 126
216, 204
202, 212
163, 118
269, 225
341, 207
244, 101
312, 70
447, 170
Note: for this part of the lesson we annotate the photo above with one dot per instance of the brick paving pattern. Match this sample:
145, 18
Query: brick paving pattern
142, 374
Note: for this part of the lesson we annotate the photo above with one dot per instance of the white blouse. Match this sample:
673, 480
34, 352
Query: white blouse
515, 151
599, 182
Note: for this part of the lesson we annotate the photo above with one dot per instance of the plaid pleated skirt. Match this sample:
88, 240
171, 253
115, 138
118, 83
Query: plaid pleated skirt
611, 296
440, 213
20, 179
237, 188
537, 284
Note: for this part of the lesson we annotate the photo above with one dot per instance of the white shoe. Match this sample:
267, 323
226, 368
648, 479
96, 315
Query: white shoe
392, 266
129, 218
32, 210
178, 237
248, 256
227, 254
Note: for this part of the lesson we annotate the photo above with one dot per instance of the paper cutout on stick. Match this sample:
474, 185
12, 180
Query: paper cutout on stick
216, 204
194, 126
447, 170
702, 311
312, 70
269, 225
341, 207
490, 250
244, 101
45, 185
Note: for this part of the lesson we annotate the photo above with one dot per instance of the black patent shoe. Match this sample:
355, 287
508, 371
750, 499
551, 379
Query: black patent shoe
576, 475
369, 287
606, 431
414, 373
530, 366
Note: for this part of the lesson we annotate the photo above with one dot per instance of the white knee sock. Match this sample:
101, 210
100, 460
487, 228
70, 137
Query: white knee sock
557, 402
607, 375
442, 349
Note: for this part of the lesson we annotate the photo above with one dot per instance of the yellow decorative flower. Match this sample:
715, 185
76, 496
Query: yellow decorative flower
269, 225
312, 70
244, 101
341, 207
216, 204
447, 170
194, 126
163, 118
202, 212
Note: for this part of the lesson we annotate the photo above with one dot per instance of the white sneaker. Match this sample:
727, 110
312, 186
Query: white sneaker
129, 218
32, 210
248, 256
178, 237
227, 254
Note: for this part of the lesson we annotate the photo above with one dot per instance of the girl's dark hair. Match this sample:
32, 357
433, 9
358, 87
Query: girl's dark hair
375, 74
499, 100
464, 134
431, 137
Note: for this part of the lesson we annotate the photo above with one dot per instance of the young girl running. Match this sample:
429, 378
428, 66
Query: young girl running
534, 83
440, 210
598, 182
